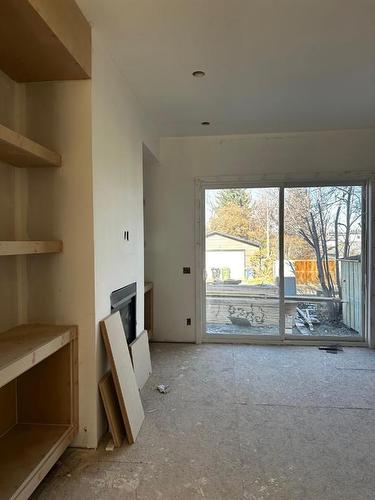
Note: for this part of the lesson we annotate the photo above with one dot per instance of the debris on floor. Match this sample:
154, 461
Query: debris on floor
307, 317
163, 388
332, 349
110, 445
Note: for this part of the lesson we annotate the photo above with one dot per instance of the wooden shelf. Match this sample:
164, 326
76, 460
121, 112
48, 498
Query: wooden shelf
24, 346
20, 151
29, 247
29, 451
43, 40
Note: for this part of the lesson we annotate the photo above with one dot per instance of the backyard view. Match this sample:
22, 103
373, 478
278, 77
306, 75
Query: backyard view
322, 261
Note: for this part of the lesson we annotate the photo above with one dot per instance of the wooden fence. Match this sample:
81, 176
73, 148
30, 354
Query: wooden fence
306, 271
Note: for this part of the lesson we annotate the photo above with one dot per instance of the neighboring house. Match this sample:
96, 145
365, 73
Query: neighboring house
231, 252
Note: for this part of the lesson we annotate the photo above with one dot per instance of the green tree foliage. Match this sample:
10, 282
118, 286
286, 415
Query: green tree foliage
237, 196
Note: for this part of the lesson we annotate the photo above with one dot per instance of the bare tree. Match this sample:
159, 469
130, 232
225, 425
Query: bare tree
333, 216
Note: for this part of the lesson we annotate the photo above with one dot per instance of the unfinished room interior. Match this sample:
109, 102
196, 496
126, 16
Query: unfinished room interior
187, 287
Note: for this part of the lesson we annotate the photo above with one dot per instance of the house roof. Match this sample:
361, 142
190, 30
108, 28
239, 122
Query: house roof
252, 243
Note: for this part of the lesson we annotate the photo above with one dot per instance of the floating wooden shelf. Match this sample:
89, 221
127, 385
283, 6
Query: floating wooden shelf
42, 40
20, 151
29, 247
38, 403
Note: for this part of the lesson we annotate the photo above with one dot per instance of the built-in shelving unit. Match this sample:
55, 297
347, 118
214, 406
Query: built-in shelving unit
38, 403
29, 247
19, 151
40, 40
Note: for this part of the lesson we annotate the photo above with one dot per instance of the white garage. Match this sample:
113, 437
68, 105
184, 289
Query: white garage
231, 259
228, 251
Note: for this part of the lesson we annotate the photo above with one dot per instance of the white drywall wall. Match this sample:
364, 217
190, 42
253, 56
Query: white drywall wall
61, 287
119, 128
169, 195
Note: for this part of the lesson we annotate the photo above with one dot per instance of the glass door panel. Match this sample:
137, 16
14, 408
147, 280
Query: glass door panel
242, 294
323, 261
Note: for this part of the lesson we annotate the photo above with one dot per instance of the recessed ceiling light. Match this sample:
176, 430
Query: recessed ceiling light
206, 123
199, 74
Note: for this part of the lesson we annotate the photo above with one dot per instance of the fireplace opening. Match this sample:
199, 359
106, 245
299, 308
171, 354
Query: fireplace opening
125, 300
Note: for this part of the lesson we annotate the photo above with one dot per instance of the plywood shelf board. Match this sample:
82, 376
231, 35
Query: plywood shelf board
24, 346
52, 42
28, 452
20, 151
29, 247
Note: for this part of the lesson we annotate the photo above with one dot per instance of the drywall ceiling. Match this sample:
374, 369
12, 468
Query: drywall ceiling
271, 65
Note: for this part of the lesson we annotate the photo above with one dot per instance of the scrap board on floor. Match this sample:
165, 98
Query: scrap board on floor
140, 353
123, 375
112, 409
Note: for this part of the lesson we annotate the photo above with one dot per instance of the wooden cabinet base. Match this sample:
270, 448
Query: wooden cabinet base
28, 451
38, 404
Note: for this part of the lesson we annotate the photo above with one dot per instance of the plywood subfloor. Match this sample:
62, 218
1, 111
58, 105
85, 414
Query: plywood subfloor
240, 422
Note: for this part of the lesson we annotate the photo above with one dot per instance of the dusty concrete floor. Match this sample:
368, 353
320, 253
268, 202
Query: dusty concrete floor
240, 422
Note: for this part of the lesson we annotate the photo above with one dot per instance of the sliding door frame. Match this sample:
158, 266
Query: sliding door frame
267, 181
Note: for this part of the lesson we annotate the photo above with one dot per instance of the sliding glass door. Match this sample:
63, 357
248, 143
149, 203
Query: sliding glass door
316, 290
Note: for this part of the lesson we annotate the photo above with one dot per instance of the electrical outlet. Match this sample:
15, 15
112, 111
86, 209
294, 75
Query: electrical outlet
188, 321
126, 235
186, 270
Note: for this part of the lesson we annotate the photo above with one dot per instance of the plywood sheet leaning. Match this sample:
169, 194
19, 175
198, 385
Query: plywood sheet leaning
140, 352
112, 409
123, 375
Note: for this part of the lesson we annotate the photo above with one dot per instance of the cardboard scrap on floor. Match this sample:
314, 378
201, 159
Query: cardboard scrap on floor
123, 375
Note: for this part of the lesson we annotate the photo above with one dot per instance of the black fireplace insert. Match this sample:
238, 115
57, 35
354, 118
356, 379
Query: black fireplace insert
125, 300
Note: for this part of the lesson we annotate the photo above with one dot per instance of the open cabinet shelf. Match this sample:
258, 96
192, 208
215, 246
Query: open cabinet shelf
30, 449
19, 151
26, 345
38, 403
29, 247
